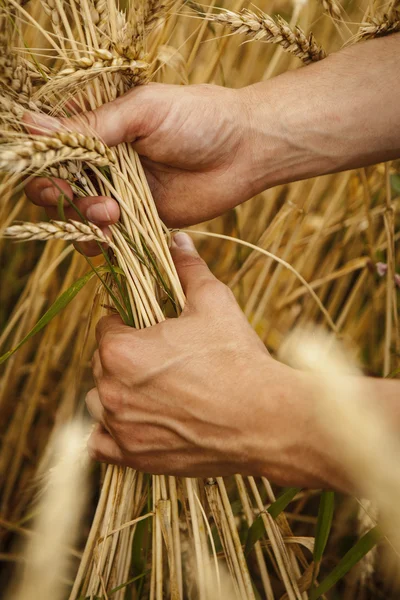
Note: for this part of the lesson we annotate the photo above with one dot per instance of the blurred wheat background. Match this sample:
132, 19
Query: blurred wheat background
339, 232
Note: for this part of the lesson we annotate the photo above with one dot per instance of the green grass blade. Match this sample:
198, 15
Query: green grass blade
61, 302
281, 503
393, 374
395, 183
257, 530
324, 524
60, 207
351, 558
123, 585
255, 533
113, 270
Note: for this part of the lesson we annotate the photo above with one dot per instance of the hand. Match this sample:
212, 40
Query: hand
206, 148
199, 395
193, 145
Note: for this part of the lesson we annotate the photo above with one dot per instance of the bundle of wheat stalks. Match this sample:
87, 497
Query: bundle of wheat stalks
59, 58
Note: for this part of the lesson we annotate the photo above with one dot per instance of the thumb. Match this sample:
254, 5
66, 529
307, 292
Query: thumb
122, 120
192, 270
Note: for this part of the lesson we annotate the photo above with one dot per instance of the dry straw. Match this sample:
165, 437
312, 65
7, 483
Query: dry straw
105, 562
296, 222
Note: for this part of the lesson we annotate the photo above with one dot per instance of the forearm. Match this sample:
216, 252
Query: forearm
307, 451
338, 114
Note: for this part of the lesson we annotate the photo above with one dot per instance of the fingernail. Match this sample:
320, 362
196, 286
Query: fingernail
98, 213
47, 195
184, 242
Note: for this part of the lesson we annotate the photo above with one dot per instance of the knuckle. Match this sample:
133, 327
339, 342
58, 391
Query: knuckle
187, 261
212, 290
215, 296
140, 463
94, 360
96, 365
90, 395
90, 120
110, 400
34, 188
92, 448
109, 349
225, 292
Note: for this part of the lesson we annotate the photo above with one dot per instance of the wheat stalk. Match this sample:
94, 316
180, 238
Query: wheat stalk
70, 231
275, 31
106, 560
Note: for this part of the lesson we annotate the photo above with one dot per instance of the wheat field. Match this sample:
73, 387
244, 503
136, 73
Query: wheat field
320, 252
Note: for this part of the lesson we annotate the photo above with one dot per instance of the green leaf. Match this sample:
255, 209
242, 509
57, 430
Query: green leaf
60, 207
351, 558
395, 183
256, 532
255, 591
123, 585
281, 503
61, 302
324, 523
257, 529
393, 374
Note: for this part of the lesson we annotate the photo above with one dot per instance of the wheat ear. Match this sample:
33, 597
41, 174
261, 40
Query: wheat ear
275, 31
26, 153
380, 26
88, 68
332, 8
70, 231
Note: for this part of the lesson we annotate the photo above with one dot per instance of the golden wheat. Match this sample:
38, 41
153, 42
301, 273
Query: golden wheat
71, 231
275, 31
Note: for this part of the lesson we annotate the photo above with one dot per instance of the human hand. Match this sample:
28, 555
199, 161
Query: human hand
193, 146
199, 395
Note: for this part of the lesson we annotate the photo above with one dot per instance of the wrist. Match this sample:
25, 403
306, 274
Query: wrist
291, 448
330, 116
289, 137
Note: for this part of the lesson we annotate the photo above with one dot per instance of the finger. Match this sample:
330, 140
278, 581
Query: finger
122, 120
97, 369
95, 406
110, 325
102, 447
101, 210
105, 210
192, 270
86, 248
46, 192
